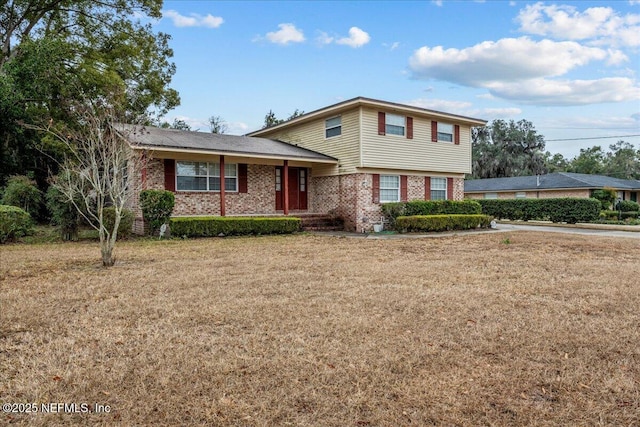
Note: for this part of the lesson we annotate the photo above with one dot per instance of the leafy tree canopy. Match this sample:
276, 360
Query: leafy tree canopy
55, 51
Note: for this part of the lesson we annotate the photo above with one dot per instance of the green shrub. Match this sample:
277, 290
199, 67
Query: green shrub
64, 214
429, 207
229, 226
14, 223
21, 191
627, 206
570, 210
442, 222
606, 196
157, 206
126, 221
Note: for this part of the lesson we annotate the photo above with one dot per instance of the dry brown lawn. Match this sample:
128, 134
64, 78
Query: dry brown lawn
491, 329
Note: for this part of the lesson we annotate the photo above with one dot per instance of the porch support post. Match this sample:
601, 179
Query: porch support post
143, 177
222, 198
285, 187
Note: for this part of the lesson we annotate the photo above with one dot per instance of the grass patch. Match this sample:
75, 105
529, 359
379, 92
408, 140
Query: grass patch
314, 330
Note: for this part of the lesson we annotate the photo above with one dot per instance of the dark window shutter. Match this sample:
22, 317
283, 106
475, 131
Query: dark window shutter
381, 123
375, 191
403, 188
170, 175
427, 188
434, 131
449, 188
409, 127
456, 134
242, 178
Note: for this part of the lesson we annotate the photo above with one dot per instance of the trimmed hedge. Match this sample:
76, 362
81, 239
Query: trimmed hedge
569, 210
14, 222
442, 222
613, 215
211, 226
627, 206
430, 207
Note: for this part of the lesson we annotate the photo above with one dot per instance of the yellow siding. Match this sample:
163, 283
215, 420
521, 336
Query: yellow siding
419, 153
345, 147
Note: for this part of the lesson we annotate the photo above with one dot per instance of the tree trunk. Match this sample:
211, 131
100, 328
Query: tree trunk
108, 259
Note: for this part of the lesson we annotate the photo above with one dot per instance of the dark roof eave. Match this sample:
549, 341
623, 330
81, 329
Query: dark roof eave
177, 149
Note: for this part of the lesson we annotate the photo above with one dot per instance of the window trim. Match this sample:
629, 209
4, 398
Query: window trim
326, 129
208, 176
389, 188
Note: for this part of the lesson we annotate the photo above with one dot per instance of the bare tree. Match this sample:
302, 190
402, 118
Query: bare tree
217, 125
95, 172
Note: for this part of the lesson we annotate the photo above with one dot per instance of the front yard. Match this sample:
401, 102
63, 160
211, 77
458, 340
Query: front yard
491, 329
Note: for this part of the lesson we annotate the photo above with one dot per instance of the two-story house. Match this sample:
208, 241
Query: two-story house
345, 159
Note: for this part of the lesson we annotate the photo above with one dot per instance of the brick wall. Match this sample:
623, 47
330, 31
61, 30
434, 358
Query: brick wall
348, 196
260, 198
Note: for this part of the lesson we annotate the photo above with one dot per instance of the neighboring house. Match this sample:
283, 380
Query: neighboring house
561, 184
344, 160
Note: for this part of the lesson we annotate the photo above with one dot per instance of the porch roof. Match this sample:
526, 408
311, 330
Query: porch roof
180, 141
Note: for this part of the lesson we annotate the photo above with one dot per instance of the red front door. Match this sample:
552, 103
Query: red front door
297, 188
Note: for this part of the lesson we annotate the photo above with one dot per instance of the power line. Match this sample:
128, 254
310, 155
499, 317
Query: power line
593, 137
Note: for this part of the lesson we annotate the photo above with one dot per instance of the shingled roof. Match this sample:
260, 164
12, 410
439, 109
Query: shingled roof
552, 181
152, 138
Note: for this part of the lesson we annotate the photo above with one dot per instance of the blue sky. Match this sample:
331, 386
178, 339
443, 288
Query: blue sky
570, 67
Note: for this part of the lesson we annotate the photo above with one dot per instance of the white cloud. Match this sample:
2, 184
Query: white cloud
437, 2
391, 46
357, 38
507, 60
288, 33
440, 104
521, 70
543, 91
193, 20
324, 38
464, 108
600, 25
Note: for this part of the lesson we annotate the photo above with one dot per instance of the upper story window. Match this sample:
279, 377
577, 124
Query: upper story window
394, 124
203, 176
333, 127
445, 132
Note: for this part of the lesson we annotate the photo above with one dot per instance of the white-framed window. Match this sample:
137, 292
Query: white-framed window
445, 132
394, 124
490, 195
389, 188
203, 176
303, 180
438, 188
521, 195
333, 127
